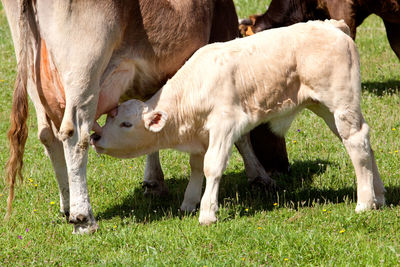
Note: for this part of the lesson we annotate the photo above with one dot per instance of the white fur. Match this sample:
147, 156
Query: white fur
227, 89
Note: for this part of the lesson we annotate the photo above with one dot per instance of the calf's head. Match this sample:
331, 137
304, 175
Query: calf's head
130, 130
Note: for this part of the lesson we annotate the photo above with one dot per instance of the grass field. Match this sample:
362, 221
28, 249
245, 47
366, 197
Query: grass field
309, 221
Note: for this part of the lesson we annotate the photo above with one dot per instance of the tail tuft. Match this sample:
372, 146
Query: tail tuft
340, 24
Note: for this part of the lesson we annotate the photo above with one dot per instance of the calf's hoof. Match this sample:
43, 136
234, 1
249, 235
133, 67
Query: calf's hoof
361, 207
154, 188
207, 219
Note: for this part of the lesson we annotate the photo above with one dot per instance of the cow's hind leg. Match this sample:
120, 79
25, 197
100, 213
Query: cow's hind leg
255, 172
352, 129
55, 151
193, 190
153, 181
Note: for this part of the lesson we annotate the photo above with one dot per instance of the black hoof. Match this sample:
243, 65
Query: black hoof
264, 183
154, 189
80, 219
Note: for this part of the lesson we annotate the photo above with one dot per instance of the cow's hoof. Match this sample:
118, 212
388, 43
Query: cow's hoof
188, 207
83, 224
380, 200
154, 188
266, 183
64, 214
85, 228
207, 219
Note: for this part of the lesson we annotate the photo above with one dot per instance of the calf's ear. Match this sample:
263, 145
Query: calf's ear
154, 121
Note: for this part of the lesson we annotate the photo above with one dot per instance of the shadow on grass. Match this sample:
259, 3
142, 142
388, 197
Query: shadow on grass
294, 190
380, 88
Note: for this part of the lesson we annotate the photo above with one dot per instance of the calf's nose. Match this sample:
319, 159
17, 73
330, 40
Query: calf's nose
94, 138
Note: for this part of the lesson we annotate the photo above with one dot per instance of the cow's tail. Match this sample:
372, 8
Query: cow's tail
18, 131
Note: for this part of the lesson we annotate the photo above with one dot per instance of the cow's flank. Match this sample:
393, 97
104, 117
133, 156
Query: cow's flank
77, 59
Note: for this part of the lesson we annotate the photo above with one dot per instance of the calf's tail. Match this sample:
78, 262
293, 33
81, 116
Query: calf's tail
18, 131
340, 24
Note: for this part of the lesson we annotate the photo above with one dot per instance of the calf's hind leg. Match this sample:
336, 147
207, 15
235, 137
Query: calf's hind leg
352, 129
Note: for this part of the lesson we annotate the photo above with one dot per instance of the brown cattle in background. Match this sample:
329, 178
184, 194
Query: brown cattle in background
287, 12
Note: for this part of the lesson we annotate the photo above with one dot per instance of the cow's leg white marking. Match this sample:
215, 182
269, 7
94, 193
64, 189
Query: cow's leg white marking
76, 155
255, 172
194, 188
153, 181
215, 161
75, 132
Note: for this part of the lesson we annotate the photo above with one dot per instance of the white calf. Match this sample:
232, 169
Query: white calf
227, 89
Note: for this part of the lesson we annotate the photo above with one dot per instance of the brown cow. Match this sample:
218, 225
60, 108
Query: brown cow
76, 59
287, 12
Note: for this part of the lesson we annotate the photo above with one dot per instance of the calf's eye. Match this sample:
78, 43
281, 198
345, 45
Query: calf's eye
126, 124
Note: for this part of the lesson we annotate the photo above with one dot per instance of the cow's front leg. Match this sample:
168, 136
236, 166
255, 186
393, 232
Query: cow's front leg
215, 161
153, 182
193, 190
255, 172
75, 132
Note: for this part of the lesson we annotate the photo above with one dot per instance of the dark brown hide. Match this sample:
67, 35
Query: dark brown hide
286, 12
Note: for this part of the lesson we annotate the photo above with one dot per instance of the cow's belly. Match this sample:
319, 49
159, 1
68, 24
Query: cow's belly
51, 90
127, 78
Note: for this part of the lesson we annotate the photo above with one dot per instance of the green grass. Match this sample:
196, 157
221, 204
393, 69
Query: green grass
313, 222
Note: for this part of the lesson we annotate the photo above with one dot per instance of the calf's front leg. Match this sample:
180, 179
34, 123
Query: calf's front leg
215, 161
